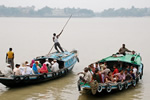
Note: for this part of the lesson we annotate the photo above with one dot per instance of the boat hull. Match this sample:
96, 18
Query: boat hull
18, 81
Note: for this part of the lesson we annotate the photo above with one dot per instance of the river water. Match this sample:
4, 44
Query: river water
94, 38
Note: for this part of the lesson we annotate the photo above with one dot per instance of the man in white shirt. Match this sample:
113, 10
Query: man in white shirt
56, 43
8, 71
55, 66
135, 71
17, 70
87, 75
47, 62
27, 70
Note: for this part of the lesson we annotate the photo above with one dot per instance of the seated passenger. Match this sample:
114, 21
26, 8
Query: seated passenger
109, 77
128, 76
104, 73
47, 62
97, 66
97, 76
7, 71
44, 69
102, 66
132, 74
115, 70
17, 70
121, 76
135, 71
31, 64
55, 66
87, 78
27, 70
22, 68
48, 68
37, 65
128, 68
35, 69
92, 69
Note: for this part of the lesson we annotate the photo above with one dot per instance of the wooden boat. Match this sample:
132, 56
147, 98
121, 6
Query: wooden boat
96, 88
66, 61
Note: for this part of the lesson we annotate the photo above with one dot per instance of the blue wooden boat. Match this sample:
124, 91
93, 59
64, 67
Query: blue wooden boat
66, 60
96, 88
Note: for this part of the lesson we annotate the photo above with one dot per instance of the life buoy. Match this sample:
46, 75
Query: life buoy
26, 79
108, 88
120, 87
100, 88
17, 79
126, 85
133, 83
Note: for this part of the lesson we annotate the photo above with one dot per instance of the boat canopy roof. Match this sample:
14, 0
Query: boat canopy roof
124, 58
65, 56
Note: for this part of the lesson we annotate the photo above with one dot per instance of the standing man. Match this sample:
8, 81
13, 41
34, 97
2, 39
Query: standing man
10, 58
56, 43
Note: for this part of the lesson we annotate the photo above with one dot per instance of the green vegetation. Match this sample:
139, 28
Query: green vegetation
77, 12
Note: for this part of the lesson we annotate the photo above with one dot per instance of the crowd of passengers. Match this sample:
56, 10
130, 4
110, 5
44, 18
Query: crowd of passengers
31, 69
101, 73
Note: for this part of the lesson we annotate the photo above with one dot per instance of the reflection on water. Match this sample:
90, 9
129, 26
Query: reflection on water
94, 38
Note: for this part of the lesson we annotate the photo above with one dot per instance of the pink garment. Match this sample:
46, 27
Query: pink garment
44, 69
32, 62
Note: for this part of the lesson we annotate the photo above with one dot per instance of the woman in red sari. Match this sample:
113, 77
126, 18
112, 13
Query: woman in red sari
44, 69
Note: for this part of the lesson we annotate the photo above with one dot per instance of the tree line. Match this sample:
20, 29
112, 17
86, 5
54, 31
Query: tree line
77, 12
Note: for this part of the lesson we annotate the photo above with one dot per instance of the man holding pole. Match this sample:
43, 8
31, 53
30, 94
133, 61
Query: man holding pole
56, 43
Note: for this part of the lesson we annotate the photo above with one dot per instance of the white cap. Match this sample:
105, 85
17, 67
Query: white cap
27, 64
52, 62
8, 65
55, 60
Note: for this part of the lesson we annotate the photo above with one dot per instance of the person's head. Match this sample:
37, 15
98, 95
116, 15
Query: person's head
121, 72
96, 70
37, 63
10, 49
55, 61
47, 60
133, 52
123, 45
125, 71
128, 66
8, 65
96, 64
131, 67
104, 67
26, 62
54, 34
131, 71
114, 67
86, 69
109, 73
17, 65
